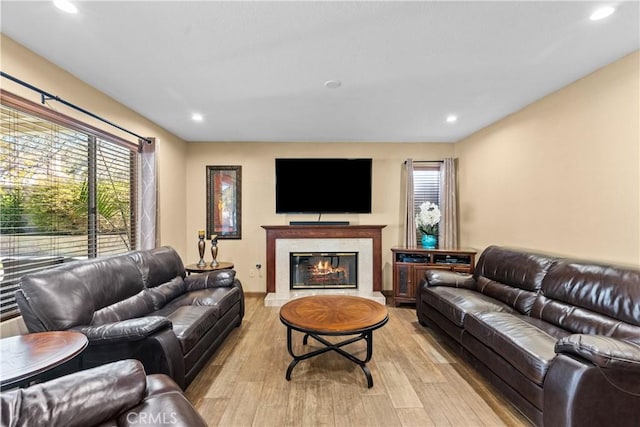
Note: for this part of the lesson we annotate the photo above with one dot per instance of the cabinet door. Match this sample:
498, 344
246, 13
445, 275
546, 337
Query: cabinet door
403, 281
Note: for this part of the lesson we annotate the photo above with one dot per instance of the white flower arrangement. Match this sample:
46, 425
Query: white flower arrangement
428, 219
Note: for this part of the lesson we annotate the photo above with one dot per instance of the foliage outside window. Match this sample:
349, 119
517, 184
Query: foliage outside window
65, 194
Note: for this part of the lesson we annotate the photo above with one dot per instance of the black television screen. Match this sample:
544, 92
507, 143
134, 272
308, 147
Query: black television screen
323, 185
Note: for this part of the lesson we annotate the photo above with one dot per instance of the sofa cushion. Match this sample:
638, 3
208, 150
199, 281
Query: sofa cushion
212, 279
518, 269
220, 299
591, 299
158, 266
455, 303
520, 299
526, 347
135, 306
190, 323
124, 331
166, 292
85, 398
67, 296
511, 276
109, 280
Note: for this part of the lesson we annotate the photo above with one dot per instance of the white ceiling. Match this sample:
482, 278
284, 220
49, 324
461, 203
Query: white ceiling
256, 70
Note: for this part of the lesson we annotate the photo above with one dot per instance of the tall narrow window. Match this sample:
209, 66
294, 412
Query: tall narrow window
66, 193
426, 185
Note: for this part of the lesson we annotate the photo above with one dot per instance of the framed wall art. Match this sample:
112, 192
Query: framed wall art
224, 207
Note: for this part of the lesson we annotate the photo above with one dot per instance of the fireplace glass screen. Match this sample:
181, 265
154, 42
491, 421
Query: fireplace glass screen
324, 270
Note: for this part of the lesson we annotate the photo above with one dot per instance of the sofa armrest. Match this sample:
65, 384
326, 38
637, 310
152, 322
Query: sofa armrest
84, 398
449, 278
213, 279
169, 408
160, 353
125, 330
602, 351
578, 393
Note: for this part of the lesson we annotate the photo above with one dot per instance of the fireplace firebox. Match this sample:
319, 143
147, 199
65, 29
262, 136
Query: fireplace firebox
323, 270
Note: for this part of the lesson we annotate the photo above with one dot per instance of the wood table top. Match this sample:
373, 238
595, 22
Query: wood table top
25, 356
333, 314
222, 265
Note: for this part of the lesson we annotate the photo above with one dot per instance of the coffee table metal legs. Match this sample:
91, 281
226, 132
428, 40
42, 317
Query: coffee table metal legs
329, 346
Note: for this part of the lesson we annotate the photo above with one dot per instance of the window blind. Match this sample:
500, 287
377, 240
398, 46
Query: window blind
426, 185
65, 194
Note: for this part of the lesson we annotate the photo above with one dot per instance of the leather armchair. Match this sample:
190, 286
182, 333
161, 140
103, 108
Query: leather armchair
115, 394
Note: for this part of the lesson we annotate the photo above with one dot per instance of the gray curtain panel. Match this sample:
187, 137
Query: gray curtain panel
410, 221
448, 205
148, 234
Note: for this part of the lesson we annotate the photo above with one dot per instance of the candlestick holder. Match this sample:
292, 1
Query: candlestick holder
214, 250
201, 246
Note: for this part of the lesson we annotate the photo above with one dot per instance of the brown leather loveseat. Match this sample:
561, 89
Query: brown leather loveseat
115, 394
560, 338
139, 305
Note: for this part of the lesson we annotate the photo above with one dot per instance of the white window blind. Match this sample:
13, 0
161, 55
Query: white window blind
426, 185
65, 194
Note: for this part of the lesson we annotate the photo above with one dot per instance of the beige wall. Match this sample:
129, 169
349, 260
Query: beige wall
27, 66
258, 194
562, 175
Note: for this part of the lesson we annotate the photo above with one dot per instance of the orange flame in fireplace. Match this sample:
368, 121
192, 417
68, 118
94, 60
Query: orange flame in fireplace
324, 267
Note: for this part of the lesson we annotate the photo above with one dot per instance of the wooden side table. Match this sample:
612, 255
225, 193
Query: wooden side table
24, 357
193, 268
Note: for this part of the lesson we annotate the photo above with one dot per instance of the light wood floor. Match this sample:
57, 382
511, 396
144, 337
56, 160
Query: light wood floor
417, 381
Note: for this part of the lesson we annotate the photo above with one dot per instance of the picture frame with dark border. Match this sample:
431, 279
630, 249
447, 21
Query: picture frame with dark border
224, 202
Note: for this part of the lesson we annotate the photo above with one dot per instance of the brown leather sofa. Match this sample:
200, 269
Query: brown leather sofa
115, 394
560, 338
138, 305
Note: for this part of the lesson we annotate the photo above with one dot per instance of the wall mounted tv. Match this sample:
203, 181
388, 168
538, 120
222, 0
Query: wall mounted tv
323, 185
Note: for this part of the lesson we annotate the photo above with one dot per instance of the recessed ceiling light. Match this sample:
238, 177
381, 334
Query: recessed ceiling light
66, 6
452, 118
602, 13
197, 117
333, 84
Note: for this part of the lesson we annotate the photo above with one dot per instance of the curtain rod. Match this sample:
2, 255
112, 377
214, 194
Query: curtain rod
45, 96
425, 161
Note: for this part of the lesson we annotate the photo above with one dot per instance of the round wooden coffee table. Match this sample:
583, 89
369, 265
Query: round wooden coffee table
333, 315
24, 357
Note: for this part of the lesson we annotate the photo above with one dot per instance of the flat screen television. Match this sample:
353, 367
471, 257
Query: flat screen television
323, 185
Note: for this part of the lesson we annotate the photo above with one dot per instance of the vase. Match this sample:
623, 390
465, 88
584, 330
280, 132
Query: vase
429, 241
201, 245
214, 250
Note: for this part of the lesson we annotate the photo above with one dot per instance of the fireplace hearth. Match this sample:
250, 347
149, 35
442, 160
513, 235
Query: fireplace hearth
323, 270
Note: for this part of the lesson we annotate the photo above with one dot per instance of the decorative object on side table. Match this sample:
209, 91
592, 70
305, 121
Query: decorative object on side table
427, 222
201, 245
214, 250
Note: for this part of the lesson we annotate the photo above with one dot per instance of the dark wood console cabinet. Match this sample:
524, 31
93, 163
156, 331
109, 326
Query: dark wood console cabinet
409, 265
